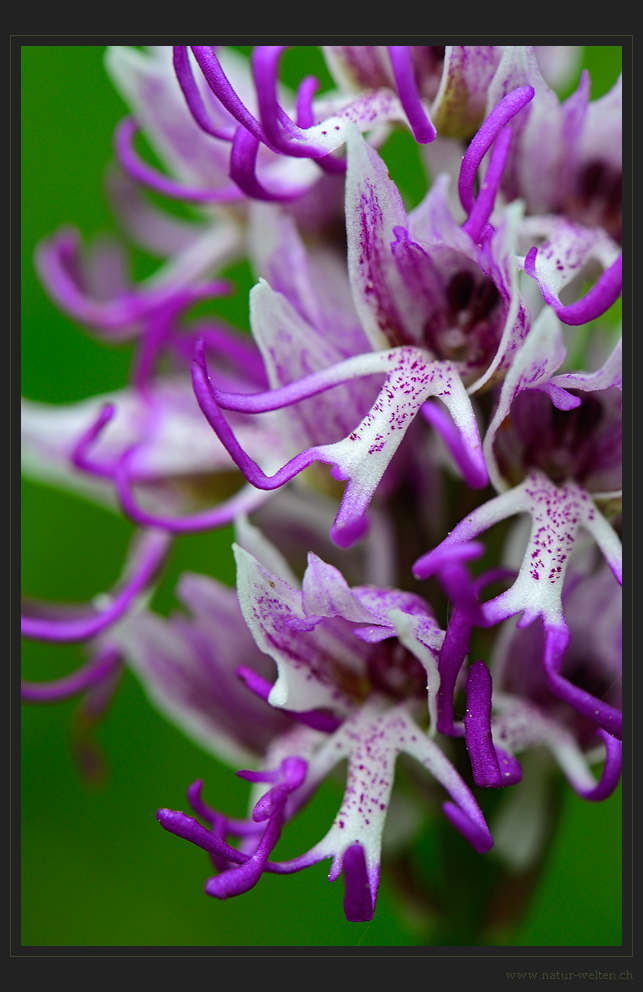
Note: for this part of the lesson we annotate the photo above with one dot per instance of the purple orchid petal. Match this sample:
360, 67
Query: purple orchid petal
188, 665
532, 368
306, 118
148, 83
492, 766
479, 838
294, 343
509, 106
371, 739
289, 777
118, 311
522, 725
145, 557
423, 129
243, 164
291, 774
477, 727
314, 284
316, 719
245, 501
96, 671
599, 299
57, 261
359, 905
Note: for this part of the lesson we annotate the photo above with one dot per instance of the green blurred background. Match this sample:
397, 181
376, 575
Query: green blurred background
97, 869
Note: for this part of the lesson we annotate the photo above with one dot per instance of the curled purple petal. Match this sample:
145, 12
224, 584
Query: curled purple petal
476, 222
220, 86
193, 98
244, 501
599, 299
87, 676
143, 173
148, 555
611, 771
265, 63
243, 164
599, 712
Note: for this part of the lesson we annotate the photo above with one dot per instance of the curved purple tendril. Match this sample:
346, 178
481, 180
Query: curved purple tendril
508, 107
611, 771
87, 676
118, 473
219, 516
305, 119
190, 829
423, 130
599, 299
475, 473
238, 349
159, 329
486, 759
154, 547
316, 719
138, 170
476, 833
222, 824
270, 807
304, 101
455, 648
243, 163
476, 224
220, 86
359, 906
55, 261
79, 456
265, 64
207, 401
190, 90
599, 712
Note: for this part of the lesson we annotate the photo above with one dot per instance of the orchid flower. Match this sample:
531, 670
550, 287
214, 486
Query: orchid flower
362, 658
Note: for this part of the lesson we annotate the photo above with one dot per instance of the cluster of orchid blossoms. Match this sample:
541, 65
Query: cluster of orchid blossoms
421, 358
